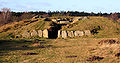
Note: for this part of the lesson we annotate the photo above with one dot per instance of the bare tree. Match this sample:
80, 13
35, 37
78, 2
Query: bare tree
114, 16
5, 15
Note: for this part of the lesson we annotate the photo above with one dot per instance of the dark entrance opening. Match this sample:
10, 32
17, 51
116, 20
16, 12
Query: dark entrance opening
53, 31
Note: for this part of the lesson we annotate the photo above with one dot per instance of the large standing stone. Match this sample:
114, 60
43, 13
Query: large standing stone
59, 33
40, 33
87, 32
26, 34
45, 33
64, 34
79, 33
34, 33
70, 33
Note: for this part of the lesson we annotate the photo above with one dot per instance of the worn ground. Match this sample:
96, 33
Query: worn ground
80, 50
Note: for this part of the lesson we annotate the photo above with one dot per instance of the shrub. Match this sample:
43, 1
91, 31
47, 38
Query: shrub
47, 19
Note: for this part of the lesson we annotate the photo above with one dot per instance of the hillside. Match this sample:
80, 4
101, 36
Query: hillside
16, 28
99, 26
103, 46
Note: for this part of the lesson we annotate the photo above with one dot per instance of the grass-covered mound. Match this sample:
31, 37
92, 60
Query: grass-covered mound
99, 26
16, 28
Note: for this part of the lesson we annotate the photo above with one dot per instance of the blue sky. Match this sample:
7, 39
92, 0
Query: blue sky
62, 5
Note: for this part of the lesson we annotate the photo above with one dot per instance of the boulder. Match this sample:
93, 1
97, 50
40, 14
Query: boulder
26, 34
75, 19
79, 33
70, 33
40, 33
45, 33
85, 18
64, 22
87, 32
54, 20
34, 33
64, 34
59, 33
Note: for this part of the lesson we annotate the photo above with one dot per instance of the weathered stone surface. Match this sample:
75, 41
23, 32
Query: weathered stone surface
34, 33
85, 18
87, 32
70, 33
54, 20
26, 34
64, 22
45, 33
64, 34
76, 19
79, 33
40, 33
59, 33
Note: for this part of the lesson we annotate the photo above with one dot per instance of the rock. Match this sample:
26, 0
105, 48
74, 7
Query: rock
34, 33
40, 33
45, 33
64, 34
64, 22
26, 34
79, 33
87, 32
54, 20
85, 18
70, 33
75, 19
59, 33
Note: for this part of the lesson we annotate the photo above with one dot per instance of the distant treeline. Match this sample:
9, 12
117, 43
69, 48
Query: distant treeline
7, 16
60, 13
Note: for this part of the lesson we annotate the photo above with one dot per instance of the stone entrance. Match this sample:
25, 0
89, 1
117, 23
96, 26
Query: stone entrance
53, 31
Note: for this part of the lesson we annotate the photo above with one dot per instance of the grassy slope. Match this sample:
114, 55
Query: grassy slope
108, 28
17, 28
56, 51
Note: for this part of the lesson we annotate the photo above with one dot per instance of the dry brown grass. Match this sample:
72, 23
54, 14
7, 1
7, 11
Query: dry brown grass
66, 51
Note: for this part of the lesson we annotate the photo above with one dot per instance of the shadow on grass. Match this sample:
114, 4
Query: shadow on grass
11, 45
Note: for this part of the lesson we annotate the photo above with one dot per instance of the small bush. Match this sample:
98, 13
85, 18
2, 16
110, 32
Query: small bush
47, 19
